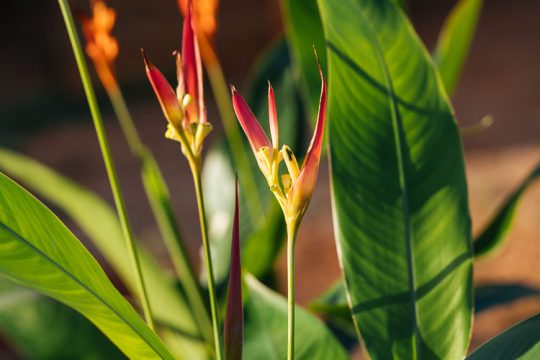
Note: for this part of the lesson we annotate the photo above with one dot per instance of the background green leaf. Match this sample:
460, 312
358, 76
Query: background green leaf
496, 232
304, 31
38, 251
87, 209
455, 41
521, 341
399, 190
266, 317
39, 327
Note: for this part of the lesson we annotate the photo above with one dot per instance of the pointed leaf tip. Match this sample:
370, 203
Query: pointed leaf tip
234, 320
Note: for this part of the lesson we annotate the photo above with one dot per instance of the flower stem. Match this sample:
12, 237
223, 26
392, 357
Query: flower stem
158, 195
292, 230
195, 165
107, 158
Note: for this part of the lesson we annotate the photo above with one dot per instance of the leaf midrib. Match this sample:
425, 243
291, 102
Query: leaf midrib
397, 127
76, 280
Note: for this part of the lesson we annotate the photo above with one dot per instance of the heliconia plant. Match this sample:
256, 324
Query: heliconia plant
398, 191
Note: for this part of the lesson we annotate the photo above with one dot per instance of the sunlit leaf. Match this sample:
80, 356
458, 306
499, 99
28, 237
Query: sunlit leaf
87, 209
39, 327
266, 319
304, 31
455, 41
496, 232
521, 341
39, 252
398, 185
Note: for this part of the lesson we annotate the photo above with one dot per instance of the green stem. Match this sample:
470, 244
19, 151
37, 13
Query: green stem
195, 164
157, 193
234, 139
292, 230
106, 153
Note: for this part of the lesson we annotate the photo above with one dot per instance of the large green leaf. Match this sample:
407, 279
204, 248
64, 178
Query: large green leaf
304, 31
496, 232
266, 324
455, 41
39, 327
87, 209
521, 341
398, 185
38, 251
261, 242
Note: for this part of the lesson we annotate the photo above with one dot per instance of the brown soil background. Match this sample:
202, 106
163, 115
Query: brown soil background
502, 78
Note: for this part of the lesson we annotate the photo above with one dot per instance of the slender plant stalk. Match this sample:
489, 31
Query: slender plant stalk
220, 89
292, 230
163, 213
126, 121
195, 166
109, 162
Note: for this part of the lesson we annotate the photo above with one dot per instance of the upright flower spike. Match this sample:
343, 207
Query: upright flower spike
184, 108
295, 189
101, 46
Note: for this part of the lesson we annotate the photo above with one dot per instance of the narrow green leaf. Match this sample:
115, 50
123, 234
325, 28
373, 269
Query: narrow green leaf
398, 186
38, 251
266, 319
304, 30
496, 232
39, 327
87, 209
234, 319
521, 341
487, 296
455, 41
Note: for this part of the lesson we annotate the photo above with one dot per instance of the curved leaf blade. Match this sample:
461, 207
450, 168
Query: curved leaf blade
496, 232
398, 180
521, 341
304, 30
38, 251
87, 209
42, 328
265, 319
455, 41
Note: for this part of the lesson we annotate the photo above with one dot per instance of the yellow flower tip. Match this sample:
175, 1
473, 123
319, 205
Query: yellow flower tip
290, 162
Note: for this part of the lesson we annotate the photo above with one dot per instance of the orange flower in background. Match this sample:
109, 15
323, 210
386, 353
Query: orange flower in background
101, 47
204, 14
204, 17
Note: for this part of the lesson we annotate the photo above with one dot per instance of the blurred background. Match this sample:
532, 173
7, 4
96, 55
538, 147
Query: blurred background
43, 114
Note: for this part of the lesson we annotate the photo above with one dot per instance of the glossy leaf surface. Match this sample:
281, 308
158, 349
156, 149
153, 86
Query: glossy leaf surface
455, 41
521, 341
399, 192
304, 31
265, 319
496, 232
39, 327
87, 209
39, 252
